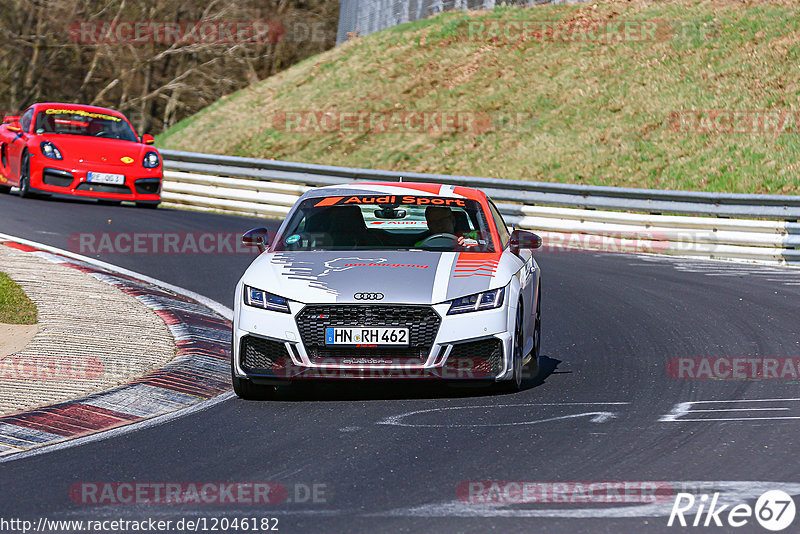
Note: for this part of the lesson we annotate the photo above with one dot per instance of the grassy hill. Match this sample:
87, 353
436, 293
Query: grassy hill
576, 100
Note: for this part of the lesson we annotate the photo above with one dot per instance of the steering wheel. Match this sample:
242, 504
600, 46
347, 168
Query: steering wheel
429, 241
100, 133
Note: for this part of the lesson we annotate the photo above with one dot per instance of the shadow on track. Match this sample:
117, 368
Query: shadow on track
361, 390
547, 367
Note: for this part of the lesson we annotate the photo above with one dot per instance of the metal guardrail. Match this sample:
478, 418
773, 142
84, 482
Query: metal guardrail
702, 227
785, 207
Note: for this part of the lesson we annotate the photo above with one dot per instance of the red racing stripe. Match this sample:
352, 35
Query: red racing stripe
329, 201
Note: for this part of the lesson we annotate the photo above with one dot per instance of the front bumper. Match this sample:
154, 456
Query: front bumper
141, 185
272, 347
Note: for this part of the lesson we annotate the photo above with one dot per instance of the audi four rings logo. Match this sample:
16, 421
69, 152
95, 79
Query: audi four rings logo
368, 296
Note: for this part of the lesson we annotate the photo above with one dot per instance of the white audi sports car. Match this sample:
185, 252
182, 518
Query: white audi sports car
388, 281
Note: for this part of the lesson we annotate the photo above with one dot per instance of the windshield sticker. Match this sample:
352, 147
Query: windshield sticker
399, 224
392, 200
87, 114
294, 238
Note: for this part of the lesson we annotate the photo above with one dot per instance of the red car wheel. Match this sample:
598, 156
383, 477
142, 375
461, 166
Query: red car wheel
25, 176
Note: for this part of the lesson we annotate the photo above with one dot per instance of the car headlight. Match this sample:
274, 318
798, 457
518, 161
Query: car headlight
267, 301
487, 300
49, 150
151, 160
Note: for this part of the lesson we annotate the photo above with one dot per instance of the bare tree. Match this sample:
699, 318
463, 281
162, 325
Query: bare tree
89, 52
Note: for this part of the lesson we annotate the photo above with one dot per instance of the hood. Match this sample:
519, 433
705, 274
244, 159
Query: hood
84, 149
402, 277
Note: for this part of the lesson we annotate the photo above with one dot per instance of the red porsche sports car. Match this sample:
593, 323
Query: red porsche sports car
78, 151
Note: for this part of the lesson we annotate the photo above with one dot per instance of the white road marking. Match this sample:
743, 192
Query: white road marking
740, 409
685, 408
596, 417
737, 419
787, 275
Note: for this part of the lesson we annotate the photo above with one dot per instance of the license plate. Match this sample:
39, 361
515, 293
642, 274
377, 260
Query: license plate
366, 336
105, 178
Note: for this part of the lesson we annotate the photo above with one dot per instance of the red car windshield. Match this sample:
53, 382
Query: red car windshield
79, 122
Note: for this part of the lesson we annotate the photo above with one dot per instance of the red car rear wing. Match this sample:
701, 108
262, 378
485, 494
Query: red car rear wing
11, 118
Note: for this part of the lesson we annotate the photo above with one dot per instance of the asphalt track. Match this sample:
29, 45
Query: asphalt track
611, 322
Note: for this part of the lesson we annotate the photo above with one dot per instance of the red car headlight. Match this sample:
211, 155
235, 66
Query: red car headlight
151, 160
49, 150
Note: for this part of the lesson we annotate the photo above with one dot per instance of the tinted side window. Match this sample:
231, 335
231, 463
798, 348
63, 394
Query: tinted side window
502, 229
25, 121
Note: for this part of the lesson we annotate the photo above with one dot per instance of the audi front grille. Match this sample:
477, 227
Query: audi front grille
422, 323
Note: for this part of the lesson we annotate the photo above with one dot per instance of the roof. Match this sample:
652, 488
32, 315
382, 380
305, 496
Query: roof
396, 188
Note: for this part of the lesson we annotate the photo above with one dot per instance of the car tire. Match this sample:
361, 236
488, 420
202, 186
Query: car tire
5, 189
104, 202
515, 383
146, 205
25, 177
533, 363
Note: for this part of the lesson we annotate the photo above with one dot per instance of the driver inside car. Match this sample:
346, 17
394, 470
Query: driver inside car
95, 127
442, 220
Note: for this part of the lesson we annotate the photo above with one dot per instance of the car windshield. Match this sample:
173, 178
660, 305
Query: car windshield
387, 222
79, 122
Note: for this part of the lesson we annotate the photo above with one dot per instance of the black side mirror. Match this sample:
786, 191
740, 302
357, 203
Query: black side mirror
523, 240
257, 237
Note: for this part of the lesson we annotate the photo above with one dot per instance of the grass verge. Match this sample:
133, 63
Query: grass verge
15, 306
